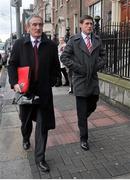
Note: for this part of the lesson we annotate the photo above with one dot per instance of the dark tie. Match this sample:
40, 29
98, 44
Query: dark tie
36, 59
88, 43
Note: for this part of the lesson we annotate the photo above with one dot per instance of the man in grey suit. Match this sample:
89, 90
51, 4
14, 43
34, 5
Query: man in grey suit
84, 56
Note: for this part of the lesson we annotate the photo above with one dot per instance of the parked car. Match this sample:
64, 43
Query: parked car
4, 56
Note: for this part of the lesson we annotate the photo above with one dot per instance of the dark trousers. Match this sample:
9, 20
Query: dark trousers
65, 74
27, 114
70, 79
85, 106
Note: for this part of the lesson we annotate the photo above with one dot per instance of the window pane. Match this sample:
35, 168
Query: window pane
48, 13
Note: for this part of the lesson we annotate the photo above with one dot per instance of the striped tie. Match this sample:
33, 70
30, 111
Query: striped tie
88, 43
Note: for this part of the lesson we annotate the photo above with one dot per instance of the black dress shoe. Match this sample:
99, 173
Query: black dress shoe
43, 166
58, 84
84, 145
26, 145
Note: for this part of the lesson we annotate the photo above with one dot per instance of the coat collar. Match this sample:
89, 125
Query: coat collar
44, 38
95, 42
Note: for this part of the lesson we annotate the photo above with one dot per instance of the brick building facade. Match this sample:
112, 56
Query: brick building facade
66, 13
44, 9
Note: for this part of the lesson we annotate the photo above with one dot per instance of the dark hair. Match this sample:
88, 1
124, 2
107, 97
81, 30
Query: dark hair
85, 17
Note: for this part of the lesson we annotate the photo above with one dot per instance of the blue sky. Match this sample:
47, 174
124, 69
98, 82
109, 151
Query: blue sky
5, 27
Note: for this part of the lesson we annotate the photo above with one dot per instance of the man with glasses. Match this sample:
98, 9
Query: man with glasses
84, 56
40, 54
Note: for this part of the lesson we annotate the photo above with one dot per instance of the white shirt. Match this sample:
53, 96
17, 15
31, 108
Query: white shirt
33, 41
84, 36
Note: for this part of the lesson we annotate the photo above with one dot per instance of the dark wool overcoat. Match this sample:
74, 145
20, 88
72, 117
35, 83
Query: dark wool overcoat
49, 69
84, 64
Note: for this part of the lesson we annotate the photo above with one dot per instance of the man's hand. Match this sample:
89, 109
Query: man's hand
17, 88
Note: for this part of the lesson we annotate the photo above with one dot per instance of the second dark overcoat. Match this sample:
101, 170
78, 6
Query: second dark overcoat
84, 64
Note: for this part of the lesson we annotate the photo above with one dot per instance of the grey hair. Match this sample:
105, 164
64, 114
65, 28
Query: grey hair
32, 16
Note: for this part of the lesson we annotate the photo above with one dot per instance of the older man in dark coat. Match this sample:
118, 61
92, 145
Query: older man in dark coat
41, 55
84, 56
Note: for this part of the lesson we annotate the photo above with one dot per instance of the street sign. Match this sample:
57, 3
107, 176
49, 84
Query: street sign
15, 3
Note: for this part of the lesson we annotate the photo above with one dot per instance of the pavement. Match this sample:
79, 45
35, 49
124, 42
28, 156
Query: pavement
109, 140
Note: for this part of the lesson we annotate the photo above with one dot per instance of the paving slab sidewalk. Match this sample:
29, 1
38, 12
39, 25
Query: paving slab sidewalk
109, 134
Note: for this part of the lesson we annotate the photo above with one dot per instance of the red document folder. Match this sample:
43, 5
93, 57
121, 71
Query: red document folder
23, 78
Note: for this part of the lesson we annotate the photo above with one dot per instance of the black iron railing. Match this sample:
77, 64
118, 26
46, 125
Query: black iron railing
116, 39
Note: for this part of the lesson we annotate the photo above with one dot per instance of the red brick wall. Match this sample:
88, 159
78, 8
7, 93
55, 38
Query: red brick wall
73, 7
68, 10
125, 11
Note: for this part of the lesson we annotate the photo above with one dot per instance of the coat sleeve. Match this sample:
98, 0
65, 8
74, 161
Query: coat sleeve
13, 64
55, 70
67, 58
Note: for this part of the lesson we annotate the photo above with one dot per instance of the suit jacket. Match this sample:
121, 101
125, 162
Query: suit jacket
84, 64
49, 69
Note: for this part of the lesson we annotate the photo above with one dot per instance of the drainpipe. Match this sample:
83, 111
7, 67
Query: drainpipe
80, 8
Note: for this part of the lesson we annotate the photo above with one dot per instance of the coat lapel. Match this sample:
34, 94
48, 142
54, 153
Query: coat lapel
95, 42
81, 43
83, 46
